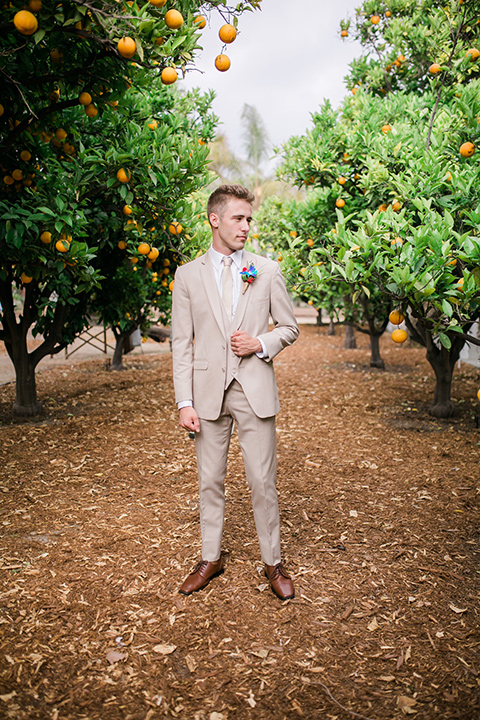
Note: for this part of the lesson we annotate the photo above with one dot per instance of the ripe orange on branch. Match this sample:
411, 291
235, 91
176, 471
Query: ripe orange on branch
386, 128
467, 149
84, 98
396, 317
25, 22
173, 19
222, 62
435, 68
46, 237
399, 336
473, 53
127, 47
227, 33
200, 21
168, 76
124, 176
175, 228
157, 3
340, 203
90, 110
375, 19
144, 248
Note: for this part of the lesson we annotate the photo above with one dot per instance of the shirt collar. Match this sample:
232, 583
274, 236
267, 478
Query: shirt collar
217, 258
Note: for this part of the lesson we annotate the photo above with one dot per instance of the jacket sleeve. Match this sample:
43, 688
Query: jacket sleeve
182, 340
285, 330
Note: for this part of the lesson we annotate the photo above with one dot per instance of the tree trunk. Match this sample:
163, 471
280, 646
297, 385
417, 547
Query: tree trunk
376, 359
26, 403
122, 347
319, 320
331, 327
350, 339
443, 363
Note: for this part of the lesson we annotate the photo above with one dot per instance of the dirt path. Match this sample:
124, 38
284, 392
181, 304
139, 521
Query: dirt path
379, 507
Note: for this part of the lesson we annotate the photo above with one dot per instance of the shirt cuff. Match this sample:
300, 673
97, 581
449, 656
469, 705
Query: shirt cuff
263, 355
184, 403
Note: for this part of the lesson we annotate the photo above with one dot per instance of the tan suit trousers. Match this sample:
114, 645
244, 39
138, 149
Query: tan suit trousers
257, 440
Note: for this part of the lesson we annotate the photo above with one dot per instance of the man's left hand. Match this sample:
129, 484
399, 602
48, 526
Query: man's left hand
244, 344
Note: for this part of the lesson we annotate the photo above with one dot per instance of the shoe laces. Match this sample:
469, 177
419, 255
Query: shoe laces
279, 570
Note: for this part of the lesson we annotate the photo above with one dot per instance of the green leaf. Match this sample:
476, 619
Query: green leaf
445, 340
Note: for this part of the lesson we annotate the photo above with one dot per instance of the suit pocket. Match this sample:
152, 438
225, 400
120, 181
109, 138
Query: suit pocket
200, 364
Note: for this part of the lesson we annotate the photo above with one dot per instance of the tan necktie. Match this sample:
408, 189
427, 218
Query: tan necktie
227, 286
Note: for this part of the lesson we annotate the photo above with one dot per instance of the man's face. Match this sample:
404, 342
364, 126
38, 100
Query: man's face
230, 227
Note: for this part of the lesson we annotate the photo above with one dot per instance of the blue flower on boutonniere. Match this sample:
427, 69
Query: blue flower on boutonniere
248, 275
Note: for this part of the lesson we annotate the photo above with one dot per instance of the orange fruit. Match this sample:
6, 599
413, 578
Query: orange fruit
143, 248
169, 76
56, 56
2, 110
124, 176
388, 13
399, 336
157, 3
25, 22
127, 47
293, 233
386, 128
461, 283
153, 254
467, 149
448, 176
62, 245
25, 155
35, 5
90, 110
222, 62
396, 241
170, 287
341, 180
175, 228
17, 174
200, 21
396, 205
478, 395
173, 19
26, 278
375, 19
344, 33
340, 203
46, 237
127, 210
473, 53
310, 242
396, 317
227, 33
122, 244
84, 98
153, 125
382, 207
60, 134
434, 69
8, 180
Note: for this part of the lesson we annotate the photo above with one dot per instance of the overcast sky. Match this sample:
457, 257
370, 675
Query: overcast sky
286, 59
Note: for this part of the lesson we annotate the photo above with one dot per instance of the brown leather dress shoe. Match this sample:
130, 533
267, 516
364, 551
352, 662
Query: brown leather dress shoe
201, 575
280, 581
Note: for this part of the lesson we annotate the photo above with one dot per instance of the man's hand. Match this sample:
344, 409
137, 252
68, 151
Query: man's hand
243, 344
189, 419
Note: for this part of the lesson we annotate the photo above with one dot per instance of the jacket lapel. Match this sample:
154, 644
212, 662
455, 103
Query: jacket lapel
211, 290
244, 297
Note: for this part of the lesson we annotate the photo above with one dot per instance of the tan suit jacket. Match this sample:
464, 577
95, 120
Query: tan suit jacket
203, 362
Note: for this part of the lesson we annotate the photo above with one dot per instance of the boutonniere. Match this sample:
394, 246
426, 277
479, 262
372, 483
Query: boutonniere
248, 275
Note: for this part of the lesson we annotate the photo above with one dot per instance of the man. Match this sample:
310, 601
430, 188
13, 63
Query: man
222, 353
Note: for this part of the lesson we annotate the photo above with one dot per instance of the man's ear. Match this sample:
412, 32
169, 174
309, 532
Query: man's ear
214, 219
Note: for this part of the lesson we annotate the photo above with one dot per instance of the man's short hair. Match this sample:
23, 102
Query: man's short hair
220, 196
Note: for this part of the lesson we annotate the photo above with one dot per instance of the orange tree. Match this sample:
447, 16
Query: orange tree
65, 68
401, 178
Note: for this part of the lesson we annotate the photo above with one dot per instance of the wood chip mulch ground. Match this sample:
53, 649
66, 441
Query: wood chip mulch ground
379, 506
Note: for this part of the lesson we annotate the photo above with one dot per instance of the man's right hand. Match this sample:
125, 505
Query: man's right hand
189, 419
